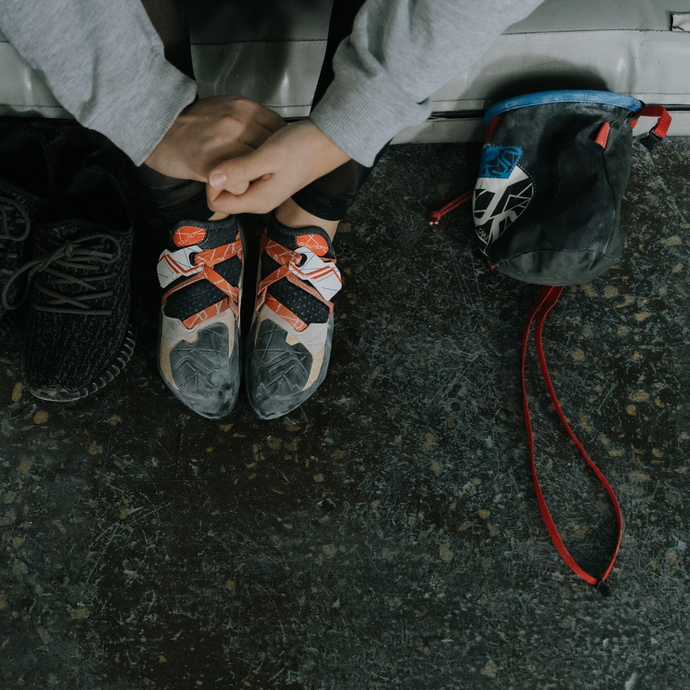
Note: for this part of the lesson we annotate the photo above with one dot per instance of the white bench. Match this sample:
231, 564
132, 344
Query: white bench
271, 50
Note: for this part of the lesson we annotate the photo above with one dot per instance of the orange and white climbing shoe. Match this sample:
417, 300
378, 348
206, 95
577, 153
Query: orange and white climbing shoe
199, 343
289, 343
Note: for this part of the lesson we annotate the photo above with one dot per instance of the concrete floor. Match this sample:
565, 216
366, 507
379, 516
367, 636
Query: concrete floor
385, 535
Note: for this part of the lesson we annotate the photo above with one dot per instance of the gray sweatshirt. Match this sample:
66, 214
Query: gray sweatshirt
104, 62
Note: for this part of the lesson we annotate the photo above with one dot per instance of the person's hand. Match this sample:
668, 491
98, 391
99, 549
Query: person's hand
261, 180
209, 131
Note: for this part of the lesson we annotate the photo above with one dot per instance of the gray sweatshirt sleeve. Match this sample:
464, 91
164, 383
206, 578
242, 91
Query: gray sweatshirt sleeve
399, 53
104, 62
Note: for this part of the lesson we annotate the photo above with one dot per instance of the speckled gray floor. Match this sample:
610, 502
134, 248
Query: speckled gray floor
385, 535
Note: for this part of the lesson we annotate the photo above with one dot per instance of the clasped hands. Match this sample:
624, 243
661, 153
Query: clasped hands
249, 158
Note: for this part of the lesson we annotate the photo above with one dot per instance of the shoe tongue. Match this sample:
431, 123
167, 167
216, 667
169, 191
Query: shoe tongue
85, 237
188, 235
317, 243
206, 234
312, 238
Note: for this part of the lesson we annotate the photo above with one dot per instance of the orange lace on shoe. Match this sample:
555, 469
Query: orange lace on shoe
206, 261
290, 260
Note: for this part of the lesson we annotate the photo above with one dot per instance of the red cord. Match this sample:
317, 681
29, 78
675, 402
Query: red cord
543, 304
436, 216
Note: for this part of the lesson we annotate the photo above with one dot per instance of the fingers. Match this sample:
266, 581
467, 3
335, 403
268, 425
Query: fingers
288, 161
210, 131
247, 121
252, 132
235, 175
246, 184
269, 119
260, 197
218, 182
239, 188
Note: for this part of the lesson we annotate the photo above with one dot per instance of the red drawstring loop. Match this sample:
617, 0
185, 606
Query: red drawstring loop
543, 304
436, 216
662, 115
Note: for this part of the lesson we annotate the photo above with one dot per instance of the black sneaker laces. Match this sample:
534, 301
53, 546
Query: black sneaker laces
73, 263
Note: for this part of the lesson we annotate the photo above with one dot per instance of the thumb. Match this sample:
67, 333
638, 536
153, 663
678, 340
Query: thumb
218, 181
236, 174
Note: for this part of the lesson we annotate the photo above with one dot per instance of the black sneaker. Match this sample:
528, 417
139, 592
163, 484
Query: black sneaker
289, 343
29, 157
199, 338
78, 336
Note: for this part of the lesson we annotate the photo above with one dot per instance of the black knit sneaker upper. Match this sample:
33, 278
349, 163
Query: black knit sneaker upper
28, 157
78, 335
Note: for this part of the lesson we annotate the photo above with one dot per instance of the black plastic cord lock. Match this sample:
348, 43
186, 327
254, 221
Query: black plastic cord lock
603, 589
650, 140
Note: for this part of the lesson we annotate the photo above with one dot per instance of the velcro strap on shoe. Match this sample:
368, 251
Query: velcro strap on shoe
173, 265
188, 261
323, 275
